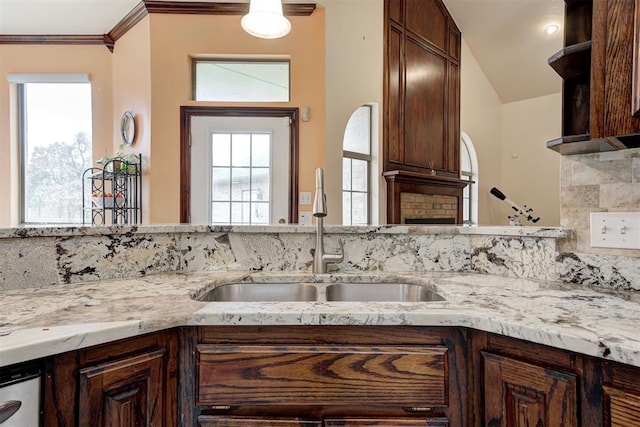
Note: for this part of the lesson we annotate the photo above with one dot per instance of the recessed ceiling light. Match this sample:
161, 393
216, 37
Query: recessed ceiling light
551, 29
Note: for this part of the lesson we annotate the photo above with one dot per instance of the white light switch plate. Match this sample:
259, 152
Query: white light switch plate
304, 218
620, 230
305, 198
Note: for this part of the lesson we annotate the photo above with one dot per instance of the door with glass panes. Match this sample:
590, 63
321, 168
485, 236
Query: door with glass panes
239, 170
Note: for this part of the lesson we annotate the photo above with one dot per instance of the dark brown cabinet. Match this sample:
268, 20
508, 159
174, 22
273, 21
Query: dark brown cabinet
601, 77
129, 383
294, 375
388, 422
222, 421
520, 394
333, 375
422, 88
126, 392
421, 122
622, 408
621, 393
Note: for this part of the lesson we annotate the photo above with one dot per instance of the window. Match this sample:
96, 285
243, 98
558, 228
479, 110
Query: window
356, 162
241, 81
469, 172
240, 177
55, 147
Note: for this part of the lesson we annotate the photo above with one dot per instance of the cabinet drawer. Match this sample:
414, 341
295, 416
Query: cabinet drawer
386, 422
224, 421
322, 375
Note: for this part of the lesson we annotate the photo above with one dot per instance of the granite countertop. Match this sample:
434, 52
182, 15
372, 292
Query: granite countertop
43, 321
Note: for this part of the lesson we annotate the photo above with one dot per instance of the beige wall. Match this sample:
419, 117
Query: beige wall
175, 38
95, 60
132, 92
149, 73
481, 119
354, 45
531, 171
509, 140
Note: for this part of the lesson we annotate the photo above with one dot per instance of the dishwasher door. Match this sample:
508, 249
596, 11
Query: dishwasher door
20, 400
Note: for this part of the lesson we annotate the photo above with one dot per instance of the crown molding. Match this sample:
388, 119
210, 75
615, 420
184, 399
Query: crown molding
60, 39
141, 10
208, 8
125, 24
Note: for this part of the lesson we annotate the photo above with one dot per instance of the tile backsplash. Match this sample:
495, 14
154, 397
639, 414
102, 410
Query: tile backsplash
42, 257
600, 182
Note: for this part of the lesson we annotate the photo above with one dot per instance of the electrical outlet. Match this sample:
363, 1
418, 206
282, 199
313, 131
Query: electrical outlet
305, 198
620, 230
304, 218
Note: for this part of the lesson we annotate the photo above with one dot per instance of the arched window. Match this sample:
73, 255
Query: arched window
469, 171
356, 168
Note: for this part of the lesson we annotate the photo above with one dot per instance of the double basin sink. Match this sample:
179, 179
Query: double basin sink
364, 292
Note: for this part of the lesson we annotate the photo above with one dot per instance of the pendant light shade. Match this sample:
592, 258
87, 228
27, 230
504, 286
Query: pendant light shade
265, 20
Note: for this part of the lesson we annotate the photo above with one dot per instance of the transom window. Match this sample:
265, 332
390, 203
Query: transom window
240, 177
241, 81
356, 160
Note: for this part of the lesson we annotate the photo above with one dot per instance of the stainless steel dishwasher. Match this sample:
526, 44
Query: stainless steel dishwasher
20, 397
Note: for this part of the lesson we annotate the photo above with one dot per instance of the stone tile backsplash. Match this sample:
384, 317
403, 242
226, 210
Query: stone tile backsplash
33, 257
600, 182
42, 257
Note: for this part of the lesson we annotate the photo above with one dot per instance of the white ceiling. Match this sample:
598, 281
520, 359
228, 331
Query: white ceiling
505, 36
508, 40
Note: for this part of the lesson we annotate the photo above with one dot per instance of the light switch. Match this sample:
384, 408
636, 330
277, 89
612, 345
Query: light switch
304, 218
305, 198
620, 230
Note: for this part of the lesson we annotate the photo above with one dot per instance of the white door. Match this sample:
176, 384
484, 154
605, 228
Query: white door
239, 170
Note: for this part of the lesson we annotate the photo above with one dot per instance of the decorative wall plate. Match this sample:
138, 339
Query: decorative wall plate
128, 128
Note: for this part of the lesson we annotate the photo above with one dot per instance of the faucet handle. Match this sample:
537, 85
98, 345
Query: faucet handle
339, 257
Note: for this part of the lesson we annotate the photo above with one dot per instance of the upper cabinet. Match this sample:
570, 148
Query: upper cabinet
421, 108
601, 89
422, 88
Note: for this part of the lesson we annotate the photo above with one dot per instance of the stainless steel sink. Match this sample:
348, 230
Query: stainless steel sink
380, 292
285, 291
262, 292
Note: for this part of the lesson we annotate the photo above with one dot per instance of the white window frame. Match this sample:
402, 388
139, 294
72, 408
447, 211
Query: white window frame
239, 60
466, 145
20, 80
250, 168
346, 154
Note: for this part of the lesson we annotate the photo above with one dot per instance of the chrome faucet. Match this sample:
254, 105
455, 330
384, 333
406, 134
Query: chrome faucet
320, 259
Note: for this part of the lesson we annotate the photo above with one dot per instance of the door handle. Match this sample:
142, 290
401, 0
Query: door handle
8, 408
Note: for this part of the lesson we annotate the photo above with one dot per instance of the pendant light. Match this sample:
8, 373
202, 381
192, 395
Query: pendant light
265, 20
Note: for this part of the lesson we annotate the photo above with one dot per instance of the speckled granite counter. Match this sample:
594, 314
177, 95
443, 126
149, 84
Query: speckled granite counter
37, 322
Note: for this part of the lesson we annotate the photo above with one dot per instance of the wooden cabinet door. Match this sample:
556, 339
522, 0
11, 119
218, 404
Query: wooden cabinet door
123, 393
230, 421
519, 394
385, 422
621, 409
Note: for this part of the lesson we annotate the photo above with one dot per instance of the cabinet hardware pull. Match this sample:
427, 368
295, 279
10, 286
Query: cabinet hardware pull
417, 409
8, 408
221, 407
